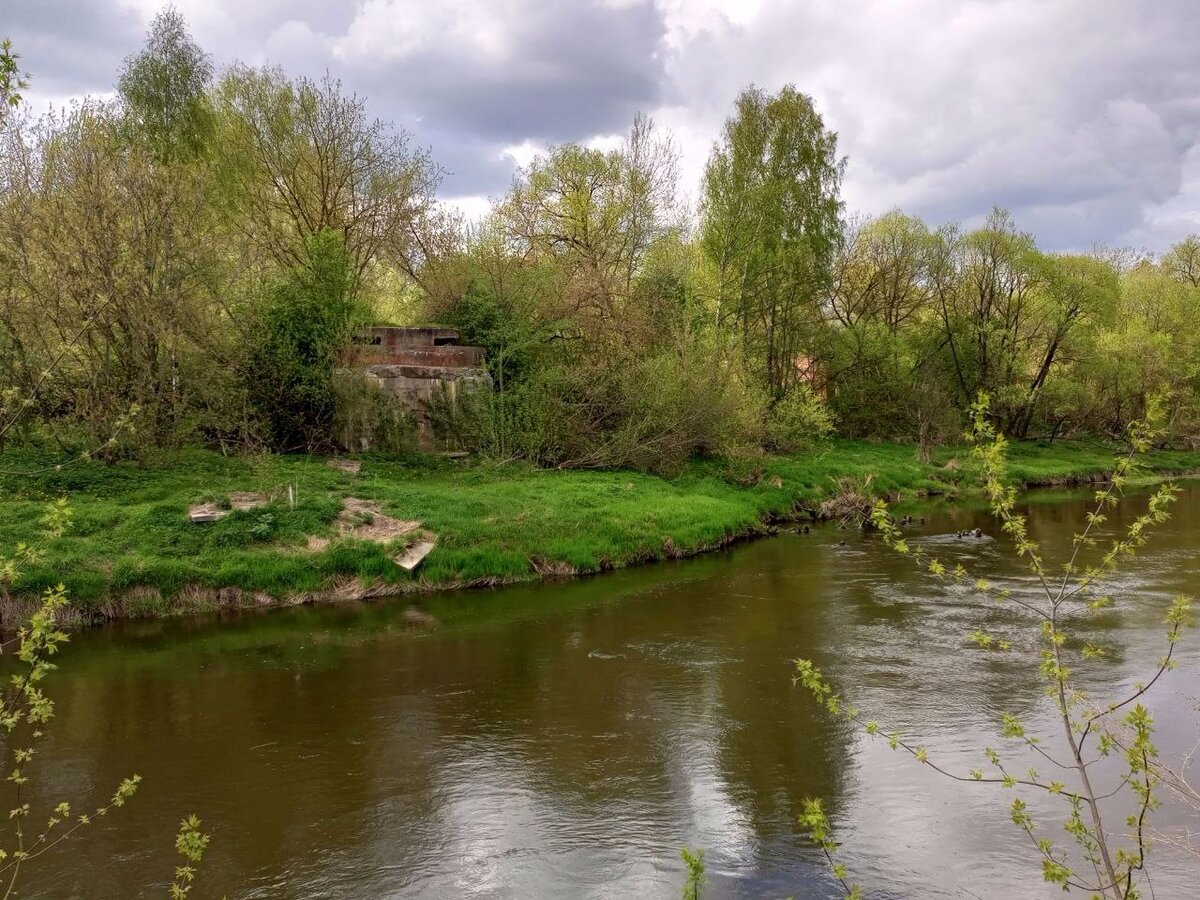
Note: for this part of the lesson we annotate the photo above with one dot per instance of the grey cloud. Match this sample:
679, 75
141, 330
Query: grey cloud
71, 48
473, 167
1078, 116
569, 72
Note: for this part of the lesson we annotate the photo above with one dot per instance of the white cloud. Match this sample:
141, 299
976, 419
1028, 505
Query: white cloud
523, 154
472, 209
1076, 115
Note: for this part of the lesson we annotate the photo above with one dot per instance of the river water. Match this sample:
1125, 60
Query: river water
566, 740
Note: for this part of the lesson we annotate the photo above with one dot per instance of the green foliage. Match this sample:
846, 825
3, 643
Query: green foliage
771, 228
12, 79
650, 413
800, 420
305, 323
295, 157
518, 423
695, 873
816, 823
1112, 871
190, 843
366, 416
498, 311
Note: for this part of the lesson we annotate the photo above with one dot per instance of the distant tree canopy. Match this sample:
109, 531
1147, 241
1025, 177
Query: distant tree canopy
166, 90
193, 256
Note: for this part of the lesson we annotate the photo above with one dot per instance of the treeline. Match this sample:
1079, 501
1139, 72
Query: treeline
186, 261
200, 250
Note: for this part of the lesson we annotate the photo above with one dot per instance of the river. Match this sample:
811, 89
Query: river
567, 739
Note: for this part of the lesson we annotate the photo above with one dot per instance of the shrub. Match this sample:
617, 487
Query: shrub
306, 322
801, 419
651, 413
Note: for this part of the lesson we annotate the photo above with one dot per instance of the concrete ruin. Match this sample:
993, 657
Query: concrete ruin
412, 366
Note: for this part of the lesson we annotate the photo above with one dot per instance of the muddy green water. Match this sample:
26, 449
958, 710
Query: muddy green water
565, 740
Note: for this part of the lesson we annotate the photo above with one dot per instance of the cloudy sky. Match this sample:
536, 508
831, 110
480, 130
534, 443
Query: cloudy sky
1080, 116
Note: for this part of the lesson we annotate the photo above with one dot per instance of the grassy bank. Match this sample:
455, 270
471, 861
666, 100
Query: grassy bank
133, 552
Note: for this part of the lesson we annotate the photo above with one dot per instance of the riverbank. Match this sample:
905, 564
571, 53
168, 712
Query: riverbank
133, 551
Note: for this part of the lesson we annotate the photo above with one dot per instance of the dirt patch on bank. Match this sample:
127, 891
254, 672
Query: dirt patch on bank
362, 520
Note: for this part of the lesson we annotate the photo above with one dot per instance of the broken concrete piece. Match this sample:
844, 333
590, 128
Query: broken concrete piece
362, 519
211, 512
411, 558
206, 512
349, 466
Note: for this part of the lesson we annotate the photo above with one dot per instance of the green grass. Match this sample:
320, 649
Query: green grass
132, 550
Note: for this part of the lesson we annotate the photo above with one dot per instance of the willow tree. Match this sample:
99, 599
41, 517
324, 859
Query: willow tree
772, 227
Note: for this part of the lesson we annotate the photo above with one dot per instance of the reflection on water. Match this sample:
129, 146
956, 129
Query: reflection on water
567, 740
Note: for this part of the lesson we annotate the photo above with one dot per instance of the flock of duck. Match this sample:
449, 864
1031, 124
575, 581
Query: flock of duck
967, 533
910, 520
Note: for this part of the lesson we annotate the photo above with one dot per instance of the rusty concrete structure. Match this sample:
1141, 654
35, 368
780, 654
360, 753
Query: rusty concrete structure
412, 365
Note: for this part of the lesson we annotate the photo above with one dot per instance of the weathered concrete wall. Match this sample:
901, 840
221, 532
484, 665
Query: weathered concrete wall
445, 357
413, 365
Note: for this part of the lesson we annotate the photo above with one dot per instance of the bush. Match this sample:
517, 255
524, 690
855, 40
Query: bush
306, 322
800, 420
518, 423
651, 413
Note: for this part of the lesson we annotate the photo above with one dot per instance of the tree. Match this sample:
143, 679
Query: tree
596, 216
99, 240
578, 286
886, 376
986, 283
1183, 261
1145, 348
301, 157
771, 227
1076, 291
165, 90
